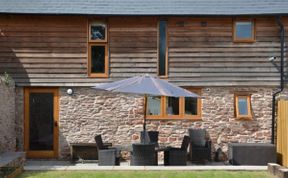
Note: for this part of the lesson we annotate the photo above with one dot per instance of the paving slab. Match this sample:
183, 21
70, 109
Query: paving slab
125, 166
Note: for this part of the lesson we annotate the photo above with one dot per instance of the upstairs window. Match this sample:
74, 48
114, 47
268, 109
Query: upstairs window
98, 50
243, 106
162, 49
244, 31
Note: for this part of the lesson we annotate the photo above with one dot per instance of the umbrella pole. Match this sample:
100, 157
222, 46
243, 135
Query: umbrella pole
144, 124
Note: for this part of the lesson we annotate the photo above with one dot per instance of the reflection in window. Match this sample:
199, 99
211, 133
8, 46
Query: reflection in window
162, 48
244, 31
153, 105
242, 105
191, 106
97, 31
172, 106
97, 59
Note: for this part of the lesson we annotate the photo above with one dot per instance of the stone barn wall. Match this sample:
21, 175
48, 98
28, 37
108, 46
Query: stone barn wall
119, 118
7, 115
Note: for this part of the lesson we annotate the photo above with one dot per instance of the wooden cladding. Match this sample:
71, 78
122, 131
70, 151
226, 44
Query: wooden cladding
53, 50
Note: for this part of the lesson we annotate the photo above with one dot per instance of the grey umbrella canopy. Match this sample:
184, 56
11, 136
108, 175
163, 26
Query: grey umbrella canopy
146, 85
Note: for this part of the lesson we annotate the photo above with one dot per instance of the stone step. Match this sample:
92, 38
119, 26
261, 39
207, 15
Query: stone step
11, 163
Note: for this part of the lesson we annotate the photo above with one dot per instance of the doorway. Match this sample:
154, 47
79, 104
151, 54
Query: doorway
41, 122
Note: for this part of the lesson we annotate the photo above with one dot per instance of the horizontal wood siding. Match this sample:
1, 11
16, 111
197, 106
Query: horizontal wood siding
201, 52
43, 50
52, 50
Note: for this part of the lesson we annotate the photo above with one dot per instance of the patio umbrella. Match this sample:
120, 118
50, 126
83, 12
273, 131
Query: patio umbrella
146, 85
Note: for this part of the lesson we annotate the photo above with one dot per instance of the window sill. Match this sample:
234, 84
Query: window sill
244, 118
98, 75
244, 41
174, 118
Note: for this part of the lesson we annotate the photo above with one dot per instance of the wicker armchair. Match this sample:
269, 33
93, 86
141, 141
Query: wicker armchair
107, 155
177, 156
150, 137
143, 154
200, 145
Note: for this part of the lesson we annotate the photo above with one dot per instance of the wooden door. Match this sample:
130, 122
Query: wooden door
41, 122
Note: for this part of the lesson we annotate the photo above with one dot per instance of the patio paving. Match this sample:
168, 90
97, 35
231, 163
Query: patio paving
44, 165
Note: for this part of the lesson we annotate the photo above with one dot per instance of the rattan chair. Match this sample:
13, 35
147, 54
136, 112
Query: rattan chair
150, 137
107, 156
200, 145
177, 156
143, 154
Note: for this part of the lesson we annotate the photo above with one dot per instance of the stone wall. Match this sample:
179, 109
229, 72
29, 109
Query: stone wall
7, 116
119, 118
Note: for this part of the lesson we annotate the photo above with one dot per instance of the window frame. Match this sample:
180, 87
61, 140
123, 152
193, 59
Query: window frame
158, 49
244, 40
90, 73
89, 33
97, 43
182, 116
249, 108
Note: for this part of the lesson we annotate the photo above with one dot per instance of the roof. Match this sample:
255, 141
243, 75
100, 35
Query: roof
145, 7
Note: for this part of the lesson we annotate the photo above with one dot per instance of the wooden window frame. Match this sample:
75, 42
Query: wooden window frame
244, 40
249, 108
98, 43
166, 52
106, 31
163, 115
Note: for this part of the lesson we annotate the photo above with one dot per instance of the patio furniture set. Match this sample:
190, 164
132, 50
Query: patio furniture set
145, 153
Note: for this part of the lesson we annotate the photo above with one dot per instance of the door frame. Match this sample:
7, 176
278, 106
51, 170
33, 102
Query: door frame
41, 154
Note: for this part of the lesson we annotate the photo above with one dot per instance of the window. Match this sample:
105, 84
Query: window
173, 107
244, 31
162, 48
243, 106
98, 50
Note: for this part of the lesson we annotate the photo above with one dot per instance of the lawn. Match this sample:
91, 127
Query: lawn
144, 174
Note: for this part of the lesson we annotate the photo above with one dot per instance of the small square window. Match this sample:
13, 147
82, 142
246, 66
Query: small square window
97, 32
244, 31
243, 106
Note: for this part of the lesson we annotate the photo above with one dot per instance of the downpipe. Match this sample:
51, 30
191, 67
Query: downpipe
282, 41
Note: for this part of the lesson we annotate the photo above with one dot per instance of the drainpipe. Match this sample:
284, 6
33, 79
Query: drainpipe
282, 41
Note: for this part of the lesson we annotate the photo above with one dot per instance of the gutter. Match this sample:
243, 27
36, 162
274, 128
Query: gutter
282, 41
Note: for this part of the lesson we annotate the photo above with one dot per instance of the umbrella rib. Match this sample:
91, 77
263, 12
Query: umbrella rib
158, 86
121, 85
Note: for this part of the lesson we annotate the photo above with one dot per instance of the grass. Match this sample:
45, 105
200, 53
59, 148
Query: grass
144, 174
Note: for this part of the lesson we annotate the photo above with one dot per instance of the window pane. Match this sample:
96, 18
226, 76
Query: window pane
98, 31
162, 47
172, 106
244, 30
97, 59
153, 105
242, 105
190, 106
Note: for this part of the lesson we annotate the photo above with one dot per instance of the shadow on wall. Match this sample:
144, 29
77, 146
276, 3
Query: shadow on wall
13, 50
13, 56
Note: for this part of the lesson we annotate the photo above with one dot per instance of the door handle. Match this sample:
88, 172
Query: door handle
55, 123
